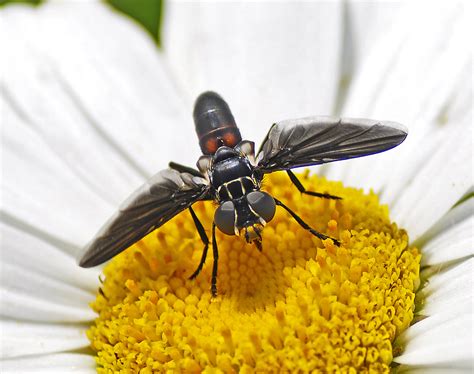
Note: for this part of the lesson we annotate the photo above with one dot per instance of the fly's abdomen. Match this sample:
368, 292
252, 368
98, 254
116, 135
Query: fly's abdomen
215, 124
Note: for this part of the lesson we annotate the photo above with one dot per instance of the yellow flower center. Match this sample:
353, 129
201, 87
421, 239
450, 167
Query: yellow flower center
299, 305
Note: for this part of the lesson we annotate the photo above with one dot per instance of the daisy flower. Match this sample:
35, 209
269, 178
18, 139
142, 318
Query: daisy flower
90, 109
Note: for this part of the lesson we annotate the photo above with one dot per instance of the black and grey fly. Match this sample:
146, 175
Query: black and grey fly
230, 174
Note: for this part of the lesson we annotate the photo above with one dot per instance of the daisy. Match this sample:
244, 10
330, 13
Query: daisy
90, 109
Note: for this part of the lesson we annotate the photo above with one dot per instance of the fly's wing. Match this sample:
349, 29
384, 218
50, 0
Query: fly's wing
318, 140
162, 197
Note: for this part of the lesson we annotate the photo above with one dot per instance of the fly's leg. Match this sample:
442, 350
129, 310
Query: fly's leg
184, 169
301, 188
215, 252
205, 241
304, 225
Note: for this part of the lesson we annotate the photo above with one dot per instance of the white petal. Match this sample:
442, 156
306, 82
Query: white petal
451, 238
366, 23
449, 291
435, 189
418, 74
444, 341
109, 96
54, 363
41, 283
16, 279
406, 369
41, 192
411, 62
21, 306
92, 122
47, 106
34, 255
25, 338
268, 62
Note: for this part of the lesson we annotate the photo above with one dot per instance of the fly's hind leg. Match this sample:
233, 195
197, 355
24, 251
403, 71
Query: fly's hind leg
215, 252
205, 241
301, 188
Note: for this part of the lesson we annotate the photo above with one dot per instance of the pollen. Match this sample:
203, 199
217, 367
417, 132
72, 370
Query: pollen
299, 305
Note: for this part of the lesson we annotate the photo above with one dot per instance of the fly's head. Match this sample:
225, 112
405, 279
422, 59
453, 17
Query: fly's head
246, 216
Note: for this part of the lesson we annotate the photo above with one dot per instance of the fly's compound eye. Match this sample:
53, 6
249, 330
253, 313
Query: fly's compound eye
263, 204
224, 218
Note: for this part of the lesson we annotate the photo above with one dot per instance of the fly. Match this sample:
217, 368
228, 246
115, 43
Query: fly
230, 173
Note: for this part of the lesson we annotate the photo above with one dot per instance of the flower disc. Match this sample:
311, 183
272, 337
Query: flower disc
299, 305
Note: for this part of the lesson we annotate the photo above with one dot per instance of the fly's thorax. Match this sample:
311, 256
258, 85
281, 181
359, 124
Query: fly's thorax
231, 175
235, 188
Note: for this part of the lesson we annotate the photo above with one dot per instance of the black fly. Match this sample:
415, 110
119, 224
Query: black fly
231, 174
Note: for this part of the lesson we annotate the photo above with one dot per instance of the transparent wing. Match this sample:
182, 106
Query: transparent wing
318, 140
162, 197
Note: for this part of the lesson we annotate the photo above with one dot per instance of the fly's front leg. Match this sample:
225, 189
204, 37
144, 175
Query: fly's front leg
301, 188
205, 241
304, 225
215, 252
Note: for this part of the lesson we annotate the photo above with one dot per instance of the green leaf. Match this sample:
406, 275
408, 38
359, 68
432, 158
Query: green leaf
145, 12
32, 2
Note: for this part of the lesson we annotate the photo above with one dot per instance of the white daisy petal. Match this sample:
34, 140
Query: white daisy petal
16, 280
366, 22
410, 62
439, 184
40, 191
64, 127
70, 162
451, 238
434, 102
444, 341
106, 107
407, 369
26, 338
34, 255
53, 363
449, 291
40, 282
47, 106
259, 57
23, 306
